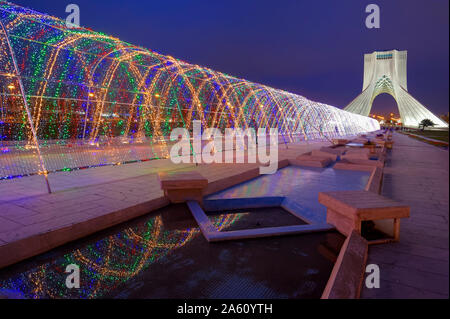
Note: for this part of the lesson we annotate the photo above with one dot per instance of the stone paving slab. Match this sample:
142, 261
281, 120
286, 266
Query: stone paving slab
417, 174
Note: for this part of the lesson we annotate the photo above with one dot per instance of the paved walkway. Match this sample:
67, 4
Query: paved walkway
418, 266
86, 201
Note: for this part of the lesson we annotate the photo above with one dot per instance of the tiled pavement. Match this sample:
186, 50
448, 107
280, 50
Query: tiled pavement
418, 266
87, 201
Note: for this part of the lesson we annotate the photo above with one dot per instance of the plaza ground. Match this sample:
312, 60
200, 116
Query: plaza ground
87, 201
417, 174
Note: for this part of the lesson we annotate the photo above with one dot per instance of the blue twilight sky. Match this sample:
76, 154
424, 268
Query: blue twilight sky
310, 47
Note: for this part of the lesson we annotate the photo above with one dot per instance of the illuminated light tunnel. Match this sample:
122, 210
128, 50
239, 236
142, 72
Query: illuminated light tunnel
75, 98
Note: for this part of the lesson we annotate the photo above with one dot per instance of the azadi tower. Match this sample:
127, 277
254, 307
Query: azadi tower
385, 72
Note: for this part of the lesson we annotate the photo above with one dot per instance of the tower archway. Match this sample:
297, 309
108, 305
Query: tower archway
385, 72
385, 109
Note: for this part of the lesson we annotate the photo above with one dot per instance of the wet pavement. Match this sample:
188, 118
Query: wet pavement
164, 254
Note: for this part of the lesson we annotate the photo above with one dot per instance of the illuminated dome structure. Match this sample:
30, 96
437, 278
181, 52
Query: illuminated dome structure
75, 98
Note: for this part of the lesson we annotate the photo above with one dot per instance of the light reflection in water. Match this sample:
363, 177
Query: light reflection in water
118, 257
106, 263
302, 185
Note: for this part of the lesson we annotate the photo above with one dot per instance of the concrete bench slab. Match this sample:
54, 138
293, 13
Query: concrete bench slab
361, 150
310, 161
339, 141
333, 150
320, 153
362, 153
389, 144
360, 140
346, 210
182, 186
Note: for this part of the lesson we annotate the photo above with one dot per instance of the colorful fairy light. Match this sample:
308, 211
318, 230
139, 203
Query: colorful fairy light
113, 102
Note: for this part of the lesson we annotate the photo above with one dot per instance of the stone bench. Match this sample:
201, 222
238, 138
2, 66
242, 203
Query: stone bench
339, 141
360, 140
371, 147
348, 165
379, 142
336, 150
348, 210
180, 187
328, 152
310, 160
318, 153
361, 153
379, 154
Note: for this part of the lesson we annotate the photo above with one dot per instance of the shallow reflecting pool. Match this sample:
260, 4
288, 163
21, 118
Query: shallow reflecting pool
301, 185
164, 255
